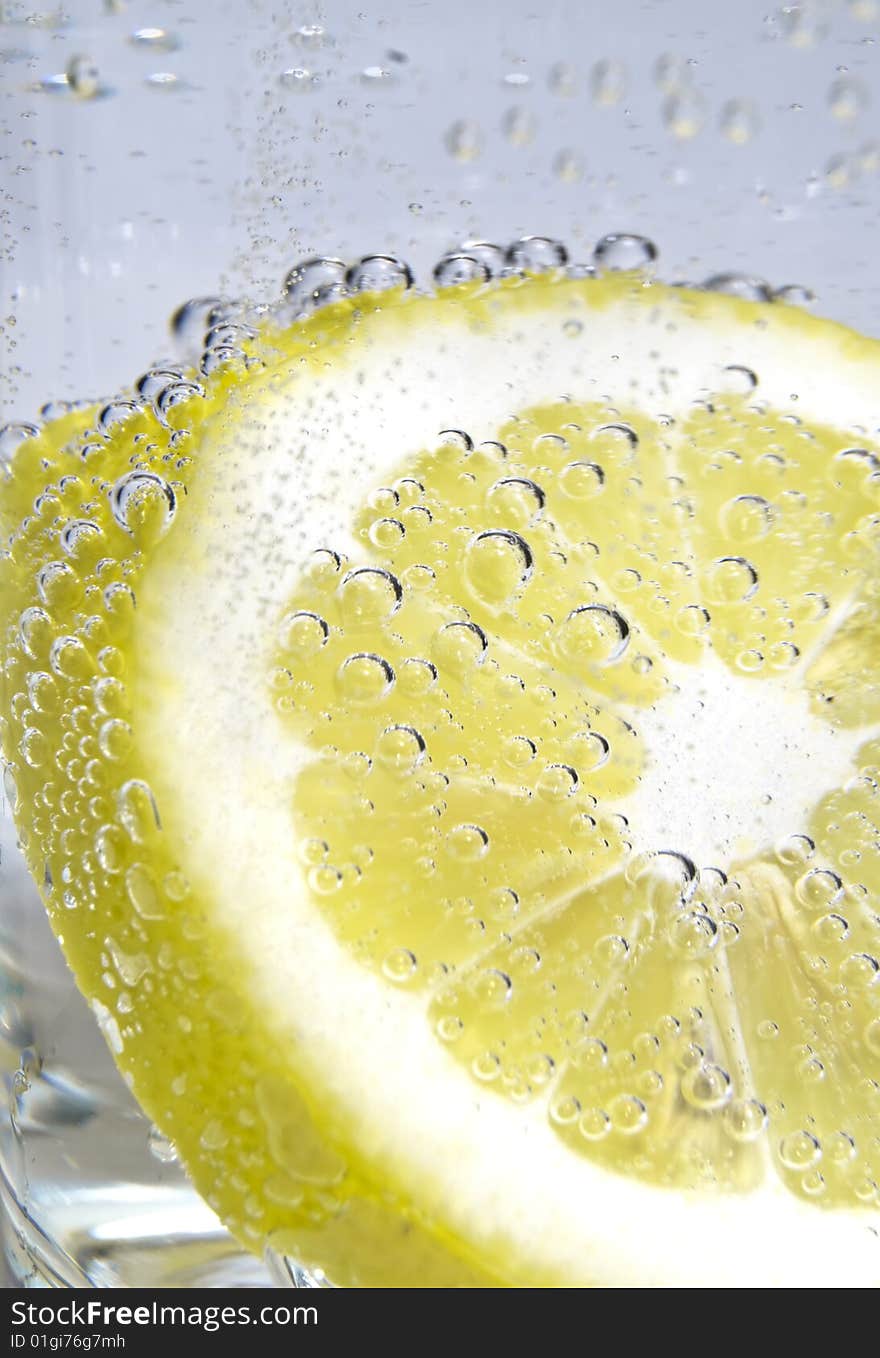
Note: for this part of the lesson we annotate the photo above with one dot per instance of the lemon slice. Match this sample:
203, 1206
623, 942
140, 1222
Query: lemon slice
448, 737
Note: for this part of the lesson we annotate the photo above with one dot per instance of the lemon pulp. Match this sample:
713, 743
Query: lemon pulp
467, 838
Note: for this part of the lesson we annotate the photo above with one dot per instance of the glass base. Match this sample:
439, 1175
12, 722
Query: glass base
91, 1194
145, 1255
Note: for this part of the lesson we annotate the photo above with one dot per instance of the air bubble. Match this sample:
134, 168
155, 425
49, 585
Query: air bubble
595, 634
303, 633
738, 380
569, 166
386, 534
693, 934
745, 1120
143, 504
557, 781
417, 677
34, 748
537, 254
314, 283
12, 436
456, 438
114, 739
116, 414
174, 395
618, 436
782, 655
746, 518
57, 585
684, 113
449, 1028
379, 273
744, 286
800, 24
563, 79
311, 36
486, 1067
79, 535
869, 157
400, 966
323, 567
706, 1088
794, 294
298, 79
43, 692
594, 1124
628, 1114
110, 849
590, 751
494, 987
369, 595
519, 751
731, 580
750, 661
693, 620
464, 140
69, 658
841, 169
582, 480
35, 632
324, 879
155, 39
608, 82
740, 121
872, 1036
671, 72
143, 893
365, 678
565, 1110
161, 1148
859, 971
400, 749
455, 269
847, 98
669, 876
467, 843
459, 646
800, 1151
830, 929
163, 80
497, 564
83, 77
517, 499
518, 126
314, 851
138, 813
491, 256
621, 251
819, 889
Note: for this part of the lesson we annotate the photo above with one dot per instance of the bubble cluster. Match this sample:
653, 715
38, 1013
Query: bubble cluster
531, 617
469, 672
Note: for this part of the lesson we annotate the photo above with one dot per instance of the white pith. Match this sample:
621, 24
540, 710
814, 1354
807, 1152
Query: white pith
488, 1169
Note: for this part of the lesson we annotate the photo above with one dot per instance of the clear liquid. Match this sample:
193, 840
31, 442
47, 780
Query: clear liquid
642, 131
93, 1197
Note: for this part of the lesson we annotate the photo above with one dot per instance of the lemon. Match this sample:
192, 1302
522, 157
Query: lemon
448, 739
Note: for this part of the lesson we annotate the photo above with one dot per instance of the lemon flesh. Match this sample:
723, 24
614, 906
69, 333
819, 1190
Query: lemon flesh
449, 743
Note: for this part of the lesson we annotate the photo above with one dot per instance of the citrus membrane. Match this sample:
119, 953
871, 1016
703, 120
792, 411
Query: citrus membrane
447, 737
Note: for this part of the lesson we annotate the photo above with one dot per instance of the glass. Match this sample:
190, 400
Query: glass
159, 150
